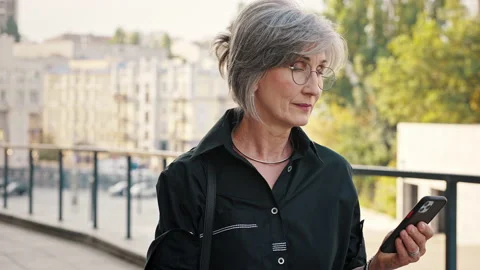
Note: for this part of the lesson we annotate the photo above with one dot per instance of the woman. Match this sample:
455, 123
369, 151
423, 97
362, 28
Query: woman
283, 201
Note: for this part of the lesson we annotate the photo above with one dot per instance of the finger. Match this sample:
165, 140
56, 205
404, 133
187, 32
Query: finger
402, 253
418, 238
425, 229
410, 244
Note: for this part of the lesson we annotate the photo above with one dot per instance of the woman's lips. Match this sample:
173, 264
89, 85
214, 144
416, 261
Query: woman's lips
303, 106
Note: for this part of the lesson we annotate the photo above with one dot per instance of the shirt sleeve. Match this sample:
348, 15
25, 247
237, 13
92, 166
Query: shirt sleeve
177, 200
356, 255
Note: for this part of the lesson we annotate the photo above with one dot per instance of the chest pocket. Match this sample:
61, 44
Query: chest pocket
238, 236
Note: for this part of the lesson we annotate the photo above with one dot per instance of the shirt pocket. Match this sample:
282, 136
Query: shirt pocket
237, 237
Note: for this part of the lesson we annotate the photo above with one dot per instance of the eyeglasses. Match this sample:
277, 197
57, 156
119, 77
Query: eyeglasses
301, 72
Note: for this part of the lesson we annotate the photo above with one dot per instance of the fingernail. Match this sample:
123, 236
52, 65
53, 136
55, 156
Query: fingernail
421, 225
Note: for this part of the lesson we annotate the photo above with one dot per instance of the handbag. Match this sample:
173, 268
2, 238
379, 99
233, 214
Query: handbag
178, 249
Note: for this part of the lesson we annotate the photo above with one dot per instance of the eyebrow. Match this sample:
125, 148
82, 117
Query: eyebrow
308, 59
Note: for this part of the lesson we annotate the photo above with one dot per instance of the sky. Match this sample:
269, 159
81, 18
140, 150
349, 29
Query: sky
187, 19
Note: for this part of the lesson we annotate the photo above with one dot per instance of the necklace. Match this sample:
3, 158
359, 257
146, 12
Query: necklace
260, 161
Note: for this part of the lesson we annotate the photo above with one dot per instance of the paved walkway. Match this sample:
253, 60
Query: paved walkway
22, 249
112, 225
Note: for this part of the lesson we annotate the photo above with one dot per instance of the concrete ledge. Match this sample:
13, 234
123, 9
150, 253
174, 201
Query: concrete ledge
78, 237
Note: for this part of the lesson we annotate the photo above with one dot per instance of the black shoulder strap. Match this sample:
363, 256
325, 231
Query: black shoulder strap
209, 216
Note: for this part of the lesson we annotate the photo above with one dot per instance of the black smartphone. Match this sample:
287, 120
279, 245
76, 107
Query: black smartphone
425, 210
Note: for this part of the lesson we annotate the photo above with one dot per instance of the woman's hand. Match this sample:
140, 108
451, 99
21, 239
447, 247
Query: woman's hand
410, 247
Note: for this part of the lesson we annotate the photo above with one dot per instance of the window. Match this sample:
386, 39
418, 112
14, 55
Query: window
147, 98
3, 95
33, 97
146, 117
146, 135
20, 97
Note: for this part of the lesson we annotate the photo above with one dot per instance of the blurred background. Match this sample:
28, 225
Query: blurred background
140, 76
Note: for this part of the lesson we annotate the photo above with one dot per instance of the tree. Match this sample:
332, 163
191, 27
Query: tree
134, 38
167, 44
12, 29
120, 37
388, 53
433, 74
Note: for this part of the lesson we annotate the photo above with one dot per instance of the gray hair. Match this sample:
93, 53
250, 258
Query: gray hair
268, 34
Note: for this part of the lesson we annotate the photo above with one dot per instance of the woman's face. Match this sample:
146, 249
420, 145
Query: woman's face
282, 102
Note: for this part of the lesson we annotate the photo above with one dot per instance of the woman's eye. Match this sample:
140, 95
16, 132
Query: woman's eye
299, 65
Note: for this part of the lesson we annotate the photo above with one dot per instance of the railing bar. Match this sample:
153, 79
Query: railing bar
451, 226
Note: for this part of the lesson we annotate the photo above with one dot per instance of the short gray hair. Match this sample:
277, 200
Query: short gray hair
267, 34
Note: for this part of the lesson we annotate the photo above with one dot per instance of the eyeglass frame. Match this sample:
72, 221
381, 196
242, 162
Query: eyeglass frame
293, 69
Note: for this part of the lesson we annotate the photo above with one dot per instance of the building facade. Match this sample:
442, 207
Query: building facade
20, 100
125, 96
79, 106
199, 96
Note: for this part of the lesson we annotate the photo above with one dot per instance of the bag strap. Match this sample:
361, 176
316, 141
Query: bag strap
209, 216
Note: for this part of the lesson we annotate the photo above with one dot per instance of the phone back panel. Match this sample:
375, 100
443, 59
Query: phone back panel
425, 210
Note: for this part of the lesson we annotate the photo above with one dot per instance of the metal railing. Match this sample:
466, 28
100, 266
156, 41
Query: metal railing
451, 184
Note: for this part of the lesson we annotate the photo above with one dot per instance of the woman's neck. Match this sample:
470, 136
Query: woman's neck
261, 141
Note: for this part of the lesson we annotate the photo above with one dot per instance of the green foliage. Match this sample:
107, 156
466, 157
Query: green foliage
120, 36
433, 74
410, 61
167, 44
134, 38
12, 29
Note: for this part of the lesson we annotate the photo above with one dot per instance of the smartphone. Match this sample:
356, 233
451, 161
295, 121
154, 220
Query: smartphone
425, 210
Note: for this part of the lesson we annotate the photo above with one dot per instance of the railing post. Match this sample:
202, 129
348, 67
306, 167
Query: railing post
164, 162
451, 226
30, 180
5, 178
95, 188
129, 198
60, 185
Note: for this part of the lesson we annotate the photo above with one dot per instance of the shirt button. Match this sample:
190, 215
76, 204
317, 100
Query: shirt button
281, 260
289, 169
274, 210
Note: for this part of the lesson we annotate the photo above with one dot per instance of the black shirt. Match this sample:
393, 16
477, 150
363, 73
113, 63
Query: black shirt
310, 219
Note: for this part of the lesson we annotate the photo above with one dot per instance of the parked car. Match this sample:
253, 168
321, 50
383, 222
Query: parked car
118, 189
138, 176
144, 190
14, 188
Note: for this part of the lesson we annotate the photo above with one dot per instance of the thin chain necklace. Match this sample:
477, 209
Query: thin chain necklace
260, 161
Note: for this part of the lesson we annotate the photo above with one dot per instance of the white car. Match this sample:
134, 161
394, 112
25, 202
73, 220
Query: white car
143, 190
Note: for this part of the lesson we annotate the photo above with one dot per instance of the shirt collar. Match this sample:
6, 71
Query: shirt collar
220, 135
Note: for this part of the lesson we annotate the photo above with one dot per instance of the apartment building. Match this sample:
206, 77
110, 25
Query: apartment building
139, 84
20, 100
199, 97
79, 106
